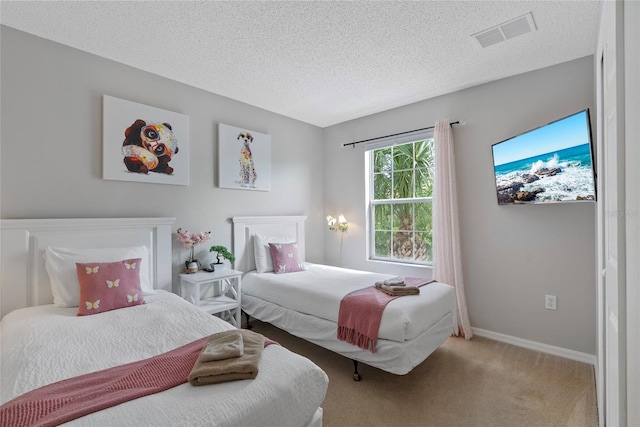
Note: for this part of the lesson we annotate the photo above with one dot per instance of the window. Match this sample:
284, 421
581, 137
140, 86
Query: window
399, 195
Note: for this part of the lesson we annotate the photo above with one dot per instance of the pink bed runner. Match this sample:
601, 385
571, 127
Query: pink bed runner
361, 313
73, 398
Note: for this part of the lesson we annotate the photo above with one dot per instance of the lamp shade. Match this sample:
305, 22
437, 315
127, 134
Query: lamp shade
343, 225
332, 222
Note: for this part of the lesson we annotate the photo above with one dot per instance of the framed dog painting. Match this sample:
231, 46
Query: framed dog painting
244, 158
144, 144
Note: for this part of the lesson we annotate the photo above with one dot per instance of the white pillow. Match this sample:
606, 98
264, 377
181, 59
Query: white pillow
60, 264
262, 254
261, 251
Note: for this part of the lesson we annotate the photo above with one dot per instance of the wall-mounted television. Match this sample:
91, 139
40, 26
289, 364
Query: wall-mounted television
549, 164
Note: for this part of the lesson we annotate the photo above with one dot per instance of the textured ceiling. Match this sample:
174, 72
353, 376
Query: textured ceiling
321, 62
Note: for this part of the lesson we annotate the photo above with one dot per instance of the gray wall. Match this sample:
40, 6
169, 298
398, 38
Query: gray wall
512, 255
51, 166
51, 152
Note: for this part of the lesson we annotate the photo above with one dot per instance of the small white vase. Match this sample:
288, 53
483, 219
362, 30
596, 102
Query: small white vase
192, 267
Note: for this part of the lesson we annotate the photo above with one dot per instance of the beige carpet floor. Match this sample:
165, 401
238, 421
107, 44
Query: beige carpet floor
480, 382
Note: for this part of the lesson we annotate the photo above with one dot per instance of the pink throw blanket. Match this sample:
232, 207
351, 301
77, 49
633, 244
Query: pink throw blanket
73, 398
361, 313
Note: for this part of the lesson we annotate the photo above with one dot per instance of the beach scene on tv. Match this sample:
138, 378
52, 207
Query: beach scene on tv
546, 165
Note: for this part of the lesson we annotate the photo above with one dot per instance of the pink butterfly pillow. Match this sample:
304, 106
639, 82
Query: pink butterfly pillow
107, 286
285, 258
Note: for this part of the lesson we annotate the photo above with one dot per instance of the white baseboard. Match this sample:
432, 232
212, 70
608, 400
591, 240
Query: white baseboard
533, 345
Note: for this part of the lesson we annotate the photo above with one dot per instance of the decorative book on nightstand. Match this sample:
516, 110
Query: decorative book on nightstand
215, 293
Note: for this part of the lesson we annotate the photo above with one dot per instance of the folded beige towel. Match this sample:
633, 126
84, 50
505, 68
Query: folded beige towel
236, 368
223, 346
399, 290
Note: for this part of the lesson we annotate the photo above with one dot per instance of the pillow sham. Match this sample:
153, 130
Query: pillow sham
60, 264
261, 254
285, 258
261, 251
106, 286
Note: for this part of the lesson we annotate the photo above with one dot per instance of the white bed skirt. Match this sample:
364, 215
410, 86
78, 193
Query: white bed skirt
316, 420
395, 357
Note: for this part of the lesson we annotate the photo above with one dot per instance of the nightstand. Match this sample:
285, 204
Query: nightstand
214, 293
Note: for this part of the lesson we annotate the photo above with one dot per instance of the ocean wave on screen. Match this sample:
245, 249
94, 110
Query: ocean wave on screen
552, 163
574, 181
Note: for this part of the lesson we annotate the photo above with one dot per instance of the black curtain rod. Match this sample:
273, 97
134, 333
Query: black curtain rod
353, 144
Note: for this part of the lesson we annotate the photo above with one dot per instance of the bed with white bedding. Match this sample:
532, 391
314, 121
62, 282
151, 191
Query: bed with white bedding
42, 343
306, 303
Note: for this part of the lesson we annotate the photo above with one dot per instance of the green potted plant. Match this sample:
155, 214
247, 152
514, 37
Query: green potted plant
223, 252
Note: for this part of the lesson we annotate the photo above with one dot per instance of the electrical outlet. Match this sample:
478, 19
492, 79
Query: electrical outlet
550, 302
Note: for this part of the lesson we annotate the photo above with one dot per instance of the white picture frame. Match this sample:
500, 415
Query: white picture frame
138, 139
244, 158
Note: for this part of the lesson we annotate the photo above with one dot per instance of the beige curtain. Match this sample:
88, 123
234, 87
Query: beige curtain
447, 260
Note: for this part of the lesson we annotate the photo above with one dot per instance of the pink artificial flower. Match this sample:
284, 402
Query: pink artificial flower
189, 239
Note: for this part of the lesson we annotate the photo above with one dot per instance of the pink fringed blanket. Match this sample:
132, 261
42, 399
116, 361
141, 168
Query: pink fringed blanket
361, 313
73, 398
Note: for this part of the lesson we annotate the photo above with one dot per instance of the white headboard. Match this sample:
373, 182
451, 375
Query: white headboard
276, 227
24, 280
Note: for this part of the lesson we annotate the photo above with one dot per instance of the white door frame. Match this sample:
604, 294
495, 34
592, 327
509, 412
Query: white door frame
600, 349
632, 184
614, 183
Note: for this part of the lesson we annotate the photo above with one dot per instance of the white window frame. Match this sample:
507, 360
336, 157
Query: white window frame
370, 203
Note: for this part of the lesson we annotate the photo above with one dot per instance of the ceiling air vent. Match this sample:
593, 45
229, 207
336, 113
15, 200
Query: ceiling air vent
505, 31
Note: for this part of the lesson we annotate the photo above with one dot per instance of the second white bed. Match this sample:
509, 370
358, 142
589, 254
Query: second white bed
318, 290
306, 304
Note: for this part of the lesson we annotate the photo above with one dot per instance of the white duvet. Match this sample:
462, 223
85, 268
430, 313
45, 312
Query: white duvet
318, 291
44, 344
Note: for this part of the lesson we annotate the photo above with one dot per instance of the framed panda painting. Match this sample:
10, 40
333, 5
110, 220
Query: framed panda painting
144, 144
